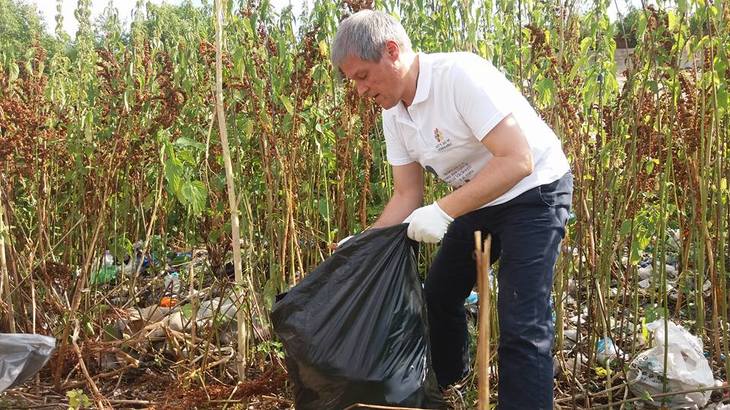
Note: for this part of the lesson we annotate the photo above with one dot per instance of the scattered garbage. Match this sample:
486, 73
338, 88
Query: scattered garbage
154, 320
687, 368
606, 350
671, 270
168, 301
574, 365
22, 356
570, 337
472, 299
645, 272
107, 272
354, 330
208, 308
718, 406
471, 305
172, 283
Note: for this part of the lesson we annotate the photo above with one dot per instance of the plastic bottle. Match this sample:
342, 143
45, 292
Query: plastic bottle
107, 271
172, 283
108, 259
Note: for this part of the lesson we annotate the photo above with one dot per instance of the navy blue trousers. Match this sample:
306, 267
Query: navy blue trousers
526, 235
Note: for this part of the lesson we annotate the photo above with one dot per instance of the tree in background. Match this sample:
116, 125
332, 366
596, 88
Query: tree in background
20, 27
627, 27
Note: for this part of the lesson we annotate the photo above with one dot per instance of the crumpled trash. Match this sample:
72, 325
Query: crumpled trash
606, 350
107, 271
472, 299
21, 356
687, 367
208, 309
570, 338
153, 320
717, 406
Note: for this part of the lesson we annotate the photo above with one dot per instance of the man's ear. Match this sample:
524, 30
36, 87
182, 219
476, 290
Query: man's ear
392, 50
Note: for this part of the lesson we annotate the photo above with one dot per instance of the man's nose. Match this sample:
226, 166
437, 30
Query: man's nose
361, 89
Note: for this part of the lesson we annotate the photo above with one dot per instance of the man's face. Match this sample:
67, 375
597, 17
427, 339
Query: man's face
380, 81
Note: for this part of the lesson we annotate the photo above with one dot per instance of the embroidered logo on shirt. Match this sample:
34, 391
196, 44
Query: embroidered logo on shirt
438, 135
442, 143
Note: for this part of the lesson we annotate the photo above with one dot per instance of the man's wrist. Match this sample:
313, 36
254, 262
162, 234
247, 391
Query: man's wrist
443, 205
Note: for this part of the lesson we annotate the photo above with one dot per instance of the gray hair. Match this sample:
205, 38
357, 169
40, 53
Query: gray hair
364, 35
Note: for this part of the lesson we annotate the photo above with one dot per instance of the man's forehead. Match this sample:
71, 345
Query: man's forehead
352, 65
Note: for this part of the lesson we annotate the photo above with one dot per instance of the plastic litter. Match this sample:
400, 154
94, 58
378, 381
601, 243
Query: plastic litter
172, 283
107, 272
208, 309
687, 368
570, 337
21, 356
575, 364
606, 350
472, 299
154, 320
354, 330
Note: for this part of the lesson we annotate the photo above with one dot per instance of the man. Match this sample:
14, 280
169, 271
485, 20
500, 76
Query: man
456, 116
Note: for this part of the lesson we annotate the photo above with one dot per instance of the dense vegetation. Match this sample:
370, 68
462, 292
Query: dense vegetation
110, 137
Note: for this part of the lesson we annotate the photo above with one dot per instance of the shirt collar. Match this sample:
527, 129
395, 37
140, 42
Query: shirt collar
423, 84
423, 88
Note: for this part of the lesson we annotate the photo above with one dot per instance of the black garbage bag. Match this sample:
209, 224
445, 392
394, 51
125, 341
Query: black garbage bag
355, 329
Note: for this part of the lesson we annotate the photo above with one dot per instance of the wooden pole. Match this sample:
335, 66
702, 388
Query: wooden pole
241, 358
7, 303
483, 351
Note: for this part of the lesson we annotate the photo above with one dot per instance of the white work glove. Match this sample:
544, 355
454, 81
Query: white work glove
428, 223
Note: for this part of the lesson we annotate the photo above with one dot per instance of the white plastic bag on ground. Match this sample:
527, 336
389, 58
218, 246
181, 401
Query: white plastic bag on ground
21, 356
687, 367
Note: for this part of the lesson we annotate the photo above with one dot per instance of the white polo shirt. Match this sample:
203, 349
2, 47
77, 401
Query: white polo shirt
459, 98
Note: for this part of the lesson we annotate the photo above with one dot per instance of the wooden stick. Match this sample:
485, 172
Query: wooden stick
101, 401
483, 351
242, 325
7, 305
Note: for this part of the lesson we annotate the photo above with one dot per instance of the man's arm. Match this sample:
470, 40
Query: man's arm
511, 162
407, 195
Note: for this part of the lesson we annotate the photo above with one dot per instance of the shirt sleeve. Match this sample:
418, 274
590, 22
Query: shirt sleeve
395, 150
482, 95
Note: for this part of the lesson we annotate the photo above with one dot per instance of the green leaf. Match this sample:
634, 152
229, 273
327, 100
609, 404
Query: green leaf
722, 97
650, 165
186, 157
585, 44
323, 48
323, 209
196, 196
546, 90
635, 255
673, 23
625, 227
187, 311
287, 104
173, 173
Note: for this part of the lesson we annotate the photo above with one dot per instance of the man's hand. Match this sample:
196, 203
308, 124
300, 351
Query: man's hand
428, 223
